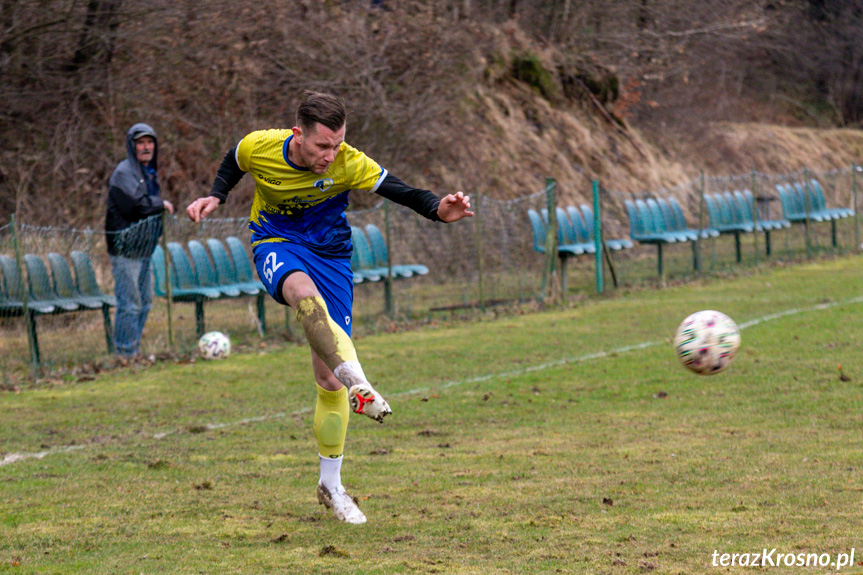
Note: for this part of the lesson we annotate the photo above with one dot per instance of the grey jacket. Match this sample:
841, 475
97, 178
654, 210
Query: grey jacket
130, 200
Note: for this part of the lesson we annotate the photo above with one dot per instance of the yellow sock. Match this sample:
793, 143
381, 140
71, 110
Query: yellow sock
330, 342
331, 421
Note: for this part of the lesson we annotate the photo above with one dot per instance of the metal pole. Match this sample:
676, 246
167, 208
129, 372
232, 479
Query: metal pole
169, 263
701, 233
754, 209
597, 237
389, 306
550, 239
479, 254
808, 209
32, 342
854, 169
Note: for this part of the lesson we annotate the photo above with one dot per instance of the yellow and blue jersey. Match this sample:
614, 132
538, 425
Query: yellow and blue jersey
293, 204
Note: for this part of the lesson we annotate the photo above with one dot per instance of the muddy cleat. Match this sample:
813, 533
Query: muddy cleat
343, 505
364, 399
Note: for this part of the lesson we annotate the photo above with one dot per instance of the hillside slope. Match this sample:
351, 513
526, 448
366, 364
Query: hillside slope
443, 101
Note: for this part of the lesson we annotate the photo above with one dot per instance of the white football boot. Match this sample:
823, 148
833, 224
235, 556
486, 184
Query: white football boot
343, 505
365, 400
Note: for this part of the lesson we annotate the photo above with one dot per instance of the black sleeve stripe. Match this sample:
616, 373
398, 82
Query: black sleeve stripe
228, 175
423, 202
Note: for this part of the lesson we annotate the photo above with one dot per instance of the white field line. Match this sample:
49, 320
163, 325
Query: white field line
16, 457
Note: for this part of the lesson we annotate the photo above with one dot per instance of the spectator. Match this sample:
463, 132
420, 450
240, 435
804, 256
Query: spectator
132, 229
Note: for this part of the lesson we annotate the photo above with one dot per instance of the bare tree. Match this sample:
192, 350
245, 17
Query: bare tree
98, 34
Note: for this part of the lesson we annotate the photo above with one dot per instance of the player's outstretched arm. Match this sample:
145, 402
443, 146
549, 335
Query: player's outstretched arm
227, 176
454, 207
448, 209
201, 208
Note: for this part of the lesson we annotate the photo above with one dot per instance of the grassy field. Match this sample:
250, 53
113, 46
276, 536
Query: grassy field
560, 441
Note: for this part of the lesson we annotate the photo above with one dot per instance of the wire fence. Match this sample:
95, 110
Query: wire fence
480, 264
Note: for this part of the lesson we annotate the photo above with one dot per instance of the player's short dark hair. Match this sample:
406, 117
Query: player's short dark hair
321, 108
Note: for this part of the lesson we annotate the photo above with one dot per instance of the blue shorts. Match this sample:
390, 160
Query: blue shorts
332, 276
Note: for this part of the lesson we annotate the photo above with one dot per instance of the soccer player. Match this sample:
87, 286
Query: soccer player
301, 242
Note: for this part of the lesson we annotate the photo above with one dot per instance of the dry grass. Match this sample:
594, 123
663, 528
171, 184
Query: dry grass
525, 444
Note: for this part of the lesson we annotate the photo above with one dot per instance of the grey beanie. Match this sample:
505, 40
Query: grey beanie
140, 130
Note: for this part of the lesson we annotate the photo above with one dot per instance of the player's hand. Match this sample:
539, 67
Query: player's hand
454, 207
169, 207
201, 208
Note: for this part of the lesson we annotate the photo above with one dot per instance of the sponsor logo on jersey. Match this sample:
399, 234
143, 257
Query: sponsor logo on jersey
270, 180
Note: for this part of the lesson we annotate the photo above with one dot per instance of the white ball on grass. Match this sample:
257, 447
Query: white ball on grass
214, 345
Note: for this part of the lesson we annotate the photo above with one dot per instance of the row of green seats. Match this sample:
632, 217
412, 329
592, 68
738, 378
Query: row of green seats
370, 257
803, 202
735, 213
57, 292
208, 273
660, 221
575, 228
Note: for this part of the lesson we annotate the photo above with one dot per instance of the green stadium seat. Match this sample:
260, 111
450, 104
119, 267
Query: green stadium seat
11, 303
226, 278
205, 273
789, 206
378, 245
64, 283
650, 224
184, 282
355, 266
45, 295
801, 205
654, 226
582, 234
738, 215
807, 204
728, 218
821, 204
226, 272
41, 288
66, 287
567, 239
538, 229
242, 263
365, 260
677, 210
662, 212
186, 275
587, 215
85, 278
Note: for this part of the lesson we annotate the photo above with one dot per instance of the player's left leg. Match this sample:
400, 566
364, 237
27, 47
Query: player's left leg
287, 271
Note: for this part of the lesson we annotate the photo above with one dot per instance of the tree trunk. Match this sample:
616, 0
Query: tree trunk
96, 43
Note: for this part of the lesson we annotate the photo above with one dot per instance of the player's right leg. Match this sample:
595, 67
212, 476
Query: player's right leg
320, 290
333, 346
